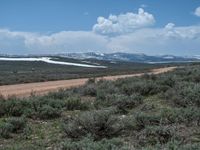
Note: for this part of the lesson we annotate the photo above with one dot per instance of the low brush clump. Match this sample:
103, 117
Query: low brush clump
11, 125
99, 124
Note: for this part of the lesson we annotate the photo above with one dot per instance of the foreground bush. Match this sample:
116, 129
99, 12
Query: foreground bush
173, 145
89, 89
48, 112
99, 124
142, 87
12, 125
143, 120
88, 143
14, 107
75, 103
189, 116
153, 135
40, 107
122, 102
184, 94
60, 94
105, 87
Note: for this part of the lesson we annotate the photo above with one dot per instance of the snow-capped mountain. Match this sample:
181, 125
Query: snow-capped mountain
197, 57
131, 57
128, 57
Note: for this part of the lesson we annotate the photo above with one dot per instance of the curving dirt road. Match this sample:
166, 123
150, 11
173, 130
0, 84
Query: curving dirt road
40, 88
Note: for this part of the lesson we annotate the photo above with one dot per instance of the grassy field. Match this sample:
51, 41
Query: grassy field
26, 72
151, 112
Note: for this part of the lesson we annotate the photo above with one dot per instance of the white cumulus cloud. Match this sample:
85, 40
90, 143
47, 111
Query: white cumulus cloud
177, 41
197, 11
167, 40
12, 42
123, 23
170, 26
131, 34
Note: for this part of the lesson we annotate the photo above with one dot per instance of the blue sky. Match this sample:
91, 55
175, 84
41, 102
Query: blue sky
59, 26
59, 15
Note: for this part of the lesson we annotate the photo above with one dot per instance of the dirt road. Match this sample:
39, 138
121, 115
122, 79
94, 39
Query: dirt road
24, 90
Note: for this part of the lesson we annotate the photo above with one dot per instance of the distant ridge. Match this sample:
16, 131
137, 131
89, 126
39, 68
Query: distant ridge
119, 56
129, 57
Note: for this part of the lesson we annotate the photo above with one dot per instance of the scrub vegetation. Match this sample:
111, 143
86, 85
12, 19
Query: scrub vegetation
150, 112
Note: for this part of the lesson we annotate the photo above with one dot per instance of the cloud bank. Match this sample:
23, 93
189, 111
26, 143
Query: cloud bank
197, 11
130, 32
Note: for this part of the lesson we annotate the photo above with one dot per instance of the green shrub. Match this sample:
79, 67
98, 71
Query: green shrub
39, 102
130, 125
40, 106
143, 87
18, 124
27, 146
184, 94
155, 135
174, 145
189, 116
143, 120
2, 107
43, 108
5, 130
60, 94
14, 106
99, 124
12, 125
106, 86
122, 102
89, 144
75, 103
48, 112
128, 102
101, 94
189, 74
89, 90
149, 77
166, 80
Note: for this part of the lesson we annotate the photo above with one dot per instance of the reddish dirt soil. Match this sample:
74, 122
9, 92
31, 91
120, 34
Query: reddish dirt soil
41, 88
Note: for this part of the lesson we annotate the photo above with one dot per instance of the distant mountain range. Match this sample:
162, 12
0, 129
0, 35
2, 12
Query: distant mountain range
128, 57
131, 57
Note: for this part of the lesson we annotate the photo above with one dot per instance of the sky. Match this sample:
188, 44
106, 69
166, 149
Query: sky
134, 26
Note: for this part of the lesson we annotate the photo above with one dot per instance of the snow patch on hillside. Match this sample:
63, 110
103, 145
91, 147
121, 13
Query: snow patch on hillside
48, 60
